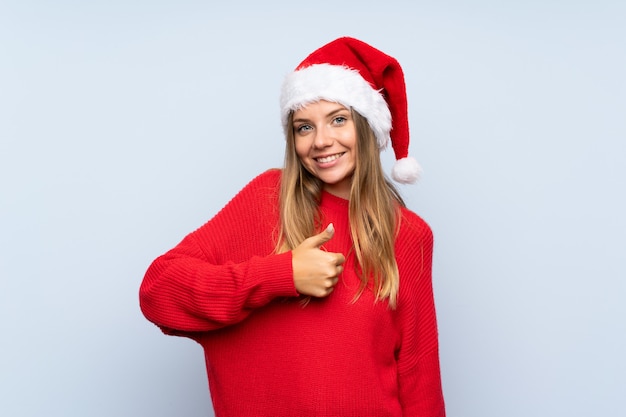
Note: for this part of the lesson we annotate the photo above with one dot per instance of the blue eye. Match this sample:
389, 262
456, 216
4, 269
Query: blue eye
303, 129
340, 120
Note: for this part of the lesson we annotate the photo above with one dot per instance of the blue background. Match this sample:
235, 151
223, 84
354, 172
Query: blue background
126, 124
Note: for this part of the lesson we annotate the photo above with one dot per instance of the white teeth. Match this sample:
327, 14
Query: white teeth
328, 158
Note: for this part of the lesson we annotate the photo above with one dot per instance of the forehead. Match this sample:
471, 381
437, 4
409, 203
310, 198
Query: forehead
319, 108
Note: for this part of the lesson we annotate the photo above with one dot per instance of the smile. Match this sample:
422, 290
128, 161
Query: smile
330, 158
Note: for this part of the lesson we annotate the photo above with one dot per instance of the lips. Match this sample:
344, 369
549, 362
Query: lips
329, 158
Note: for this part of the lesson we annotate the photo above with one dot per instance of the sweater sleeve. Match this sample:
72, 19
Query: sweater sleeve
217, 275
419, 377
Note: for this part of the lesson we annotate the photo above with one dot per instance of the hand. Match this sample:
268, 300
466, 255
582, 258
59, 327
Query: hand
315, 272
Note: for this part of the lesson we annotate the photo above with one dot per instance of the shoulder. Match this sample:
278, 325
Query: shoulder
414, 244
269, 178
413, 229
260, 196
266, 184
253, 211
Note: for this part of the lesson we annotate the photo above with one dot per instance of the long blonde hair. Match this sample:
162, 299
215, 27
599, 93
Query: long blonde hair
374, 206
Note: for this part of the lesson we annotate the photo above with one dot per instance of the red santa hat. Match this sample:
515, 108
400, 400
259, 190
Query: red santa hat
358, 76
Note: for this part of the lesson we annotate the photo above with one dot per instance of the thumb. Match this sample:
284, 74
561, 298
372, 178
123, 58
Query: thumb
323, 237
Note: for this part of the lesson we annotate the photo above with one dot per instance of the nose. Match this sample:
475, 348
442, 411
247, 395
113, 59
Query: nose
323, 137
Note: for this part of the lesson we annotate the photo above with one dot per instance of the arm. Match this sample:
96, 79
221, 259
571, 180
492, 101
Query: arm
419, 378
217, 275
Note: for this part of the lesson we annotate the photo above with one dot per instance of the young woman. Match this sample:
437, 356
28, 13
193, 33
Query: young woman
310, 291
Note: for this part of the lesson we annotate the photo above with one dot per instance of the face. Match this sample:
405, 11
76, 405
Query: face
325, 142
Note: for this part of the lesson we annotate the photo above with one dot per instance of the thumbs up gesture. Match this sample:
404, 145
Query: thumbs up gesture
315, 272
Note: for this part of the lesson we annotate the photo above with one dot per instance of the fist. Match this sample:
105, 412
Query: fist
315, 271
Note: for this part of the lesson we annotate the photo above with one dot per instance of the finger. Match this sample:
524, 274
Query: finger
322, 237
322, 292
328, 288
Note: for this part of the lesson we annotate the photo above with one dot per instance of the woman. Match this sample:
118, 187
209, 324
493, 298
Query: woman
310, 291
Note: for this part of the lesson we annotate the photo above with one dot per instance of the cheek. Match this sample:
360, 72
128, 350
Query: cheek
349, 140
301, 149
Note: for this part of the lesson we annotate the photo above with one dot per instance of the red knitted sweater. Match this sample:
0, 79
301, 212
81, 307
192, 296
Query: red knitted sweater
266, 353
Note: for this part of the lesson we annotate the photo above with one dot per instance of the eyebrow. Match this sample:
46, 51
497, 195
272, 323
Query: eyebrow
330, 114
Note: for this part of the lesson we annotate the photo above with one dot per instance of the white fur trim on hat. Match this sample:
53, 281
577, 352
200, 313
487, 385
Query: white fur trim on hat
406, 170
341, 85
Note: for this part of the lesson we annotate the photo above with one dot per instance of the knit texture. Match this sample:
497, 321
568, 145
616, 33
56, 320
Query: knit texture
267, 353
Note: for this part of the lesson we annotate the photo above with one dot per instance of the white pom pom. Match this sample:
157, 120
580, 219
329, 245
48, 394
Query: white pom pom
406, 170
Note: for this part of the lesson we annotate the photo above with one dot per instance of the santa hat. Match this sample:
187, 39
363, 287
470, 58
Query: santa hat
356, 75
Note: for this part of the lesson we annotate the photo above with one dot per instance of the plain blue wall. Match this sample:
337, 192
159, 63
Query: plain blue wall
126, 124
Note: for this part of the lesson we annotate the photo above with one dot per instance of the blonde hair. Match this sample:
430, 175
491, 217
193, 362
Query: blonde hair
374, 211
